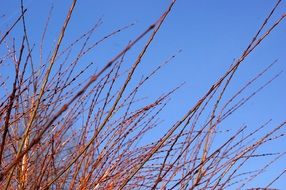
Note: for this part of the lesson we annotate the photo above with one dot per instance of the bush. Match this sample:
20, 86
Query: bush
70, 123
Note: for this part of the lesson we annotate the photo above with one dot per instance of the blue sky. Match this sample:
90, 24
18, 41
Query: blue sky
211, 34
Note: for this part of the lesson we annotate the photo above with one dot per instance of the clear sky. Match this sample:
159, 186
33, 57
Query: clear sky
211, 34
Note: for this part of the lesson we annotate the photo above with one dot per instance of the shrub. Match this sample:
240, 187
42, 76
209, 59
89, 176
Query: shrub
67, 125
